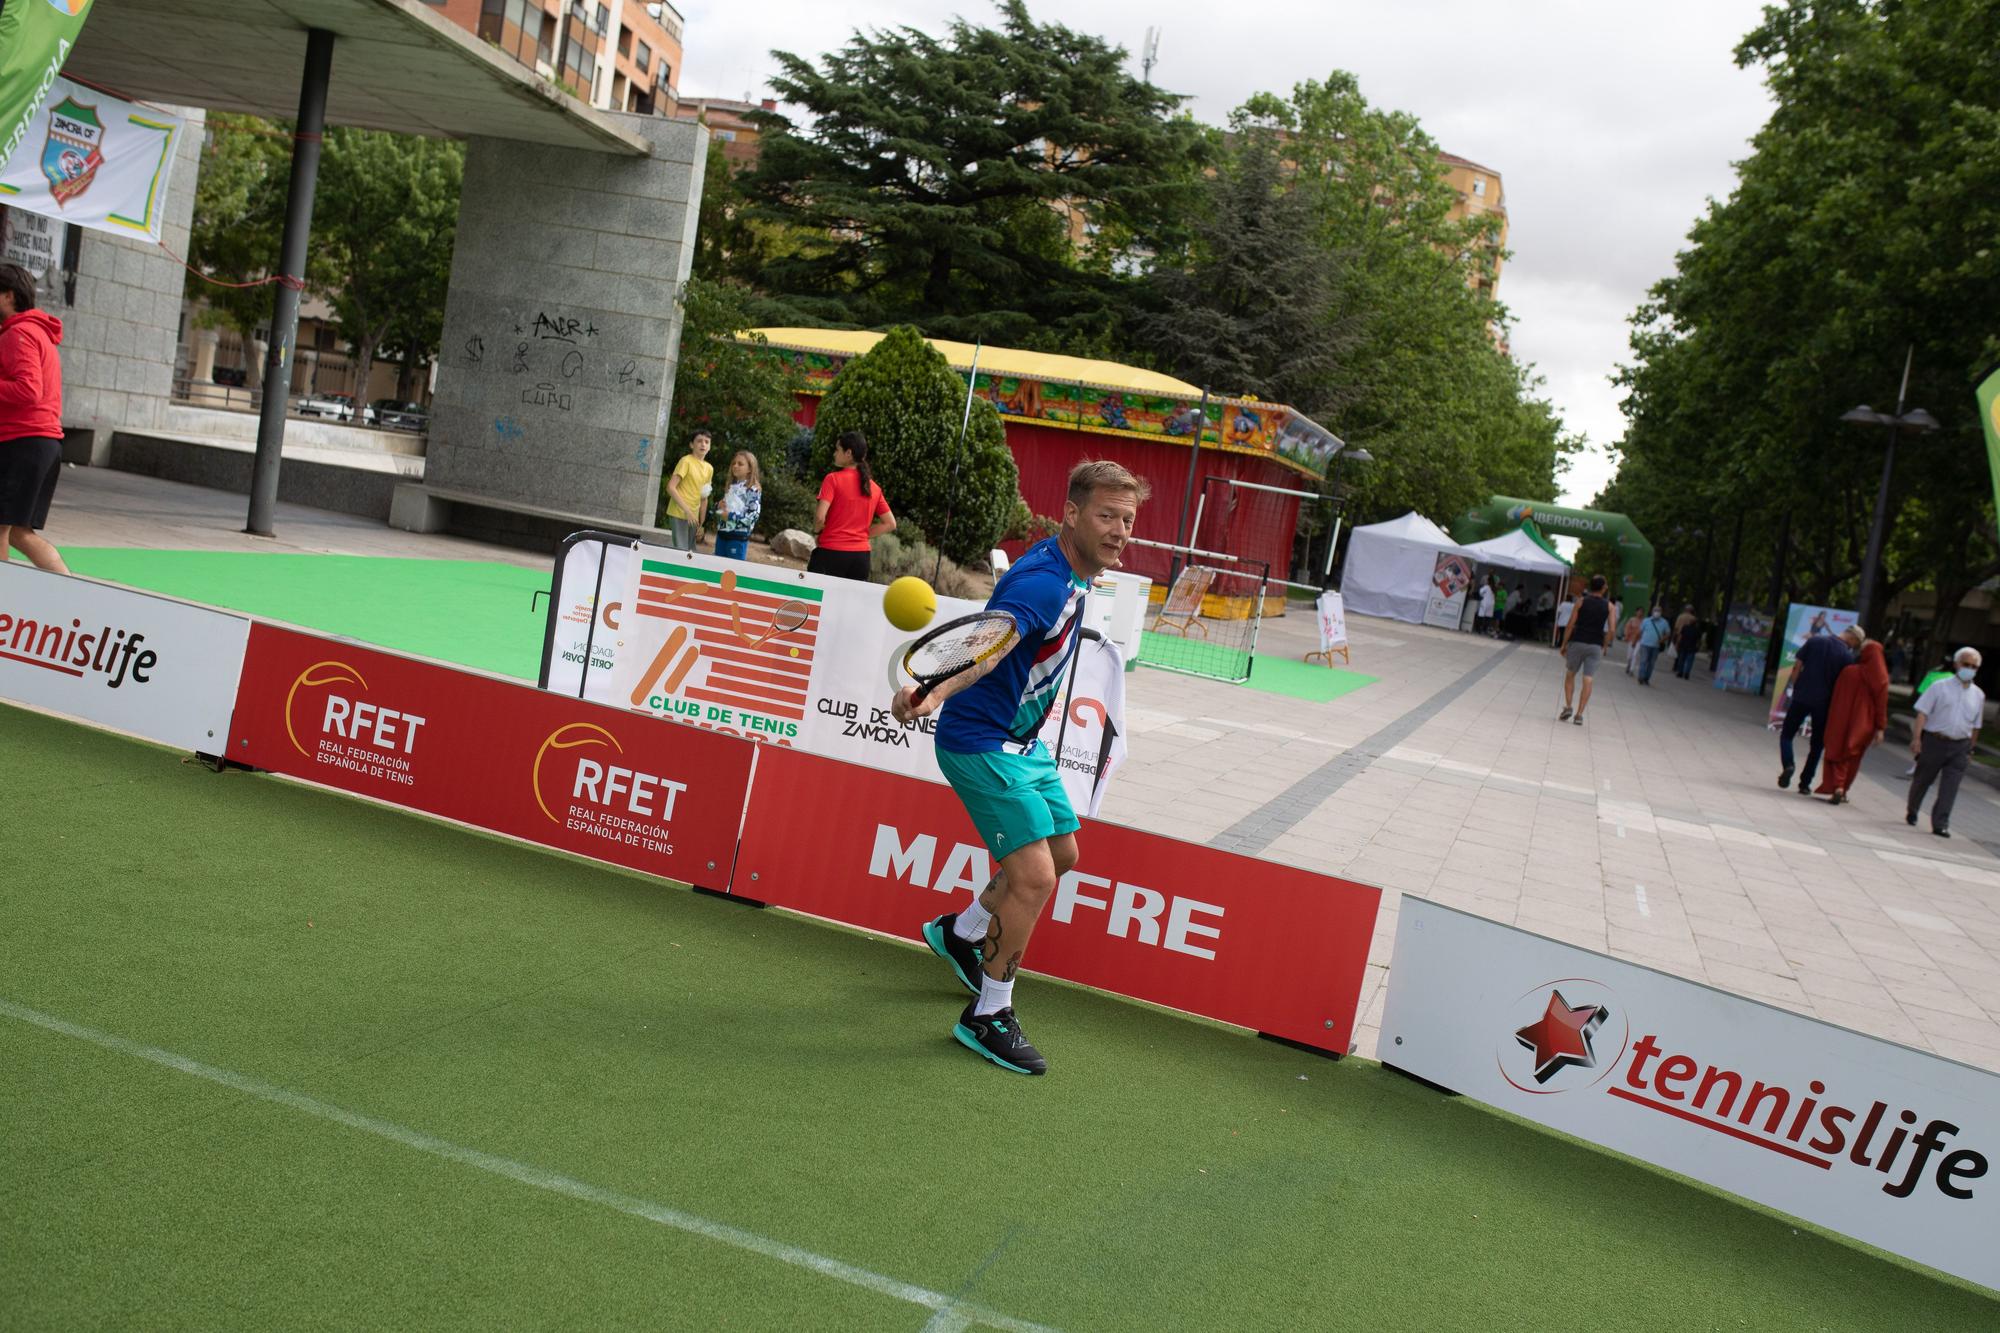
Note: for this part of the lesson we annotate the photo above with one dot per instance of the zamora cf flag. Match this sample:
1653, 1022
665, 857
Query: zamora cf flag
35, 40
1989, 417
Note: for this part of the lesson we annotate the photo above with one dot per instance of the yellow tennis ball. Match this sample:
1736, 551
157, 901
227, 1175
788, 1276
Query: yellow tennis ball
909, 603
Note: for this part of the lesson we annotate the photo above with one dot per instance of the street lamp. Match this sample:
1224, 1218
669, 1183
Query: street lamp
1339, 502
1916, 419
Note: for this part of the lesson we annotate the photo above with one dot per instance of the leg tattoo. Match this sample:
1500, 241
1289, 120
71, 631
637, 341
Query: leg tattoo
1012, 964
989, 948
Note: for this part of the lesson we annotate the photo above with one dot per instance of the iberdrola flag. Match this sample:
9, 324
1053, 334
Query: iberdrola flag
35, 40
1989, 417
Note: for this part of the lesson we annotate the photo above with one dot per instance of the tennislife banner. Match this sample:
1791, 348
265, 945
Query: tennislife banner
94, 160
1877, 1141
141, 664
1268, 947
493, 753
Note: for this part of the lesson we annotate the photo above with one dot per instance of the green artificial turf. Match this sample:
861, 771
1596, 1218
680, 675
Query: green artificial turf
1273, 675
756, 1069
471, 612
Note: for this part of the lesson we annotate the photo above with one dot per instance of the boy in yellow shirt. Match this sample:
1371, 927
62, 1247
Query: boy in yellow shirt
687, 493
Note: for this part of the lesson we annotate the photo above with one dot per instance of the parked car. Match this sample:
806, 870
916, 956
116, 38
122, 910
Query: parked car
339, 406
392, 414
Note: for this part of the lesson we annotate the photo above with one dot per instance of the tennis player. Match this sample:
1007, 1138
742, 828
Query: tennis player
988, 751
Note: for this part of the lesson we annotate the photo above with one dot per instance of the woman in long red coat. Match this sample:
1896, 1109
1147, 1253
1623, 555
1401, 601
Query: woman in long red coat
1858, 716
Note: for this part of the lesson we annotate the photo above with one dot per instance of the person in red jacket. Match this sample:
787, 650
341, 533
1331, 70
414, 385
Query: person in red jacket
30, 419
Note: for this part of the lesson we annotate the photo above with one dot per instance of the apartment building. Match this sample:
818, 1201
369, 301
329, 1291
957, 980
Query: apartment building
1479, 194
618, 55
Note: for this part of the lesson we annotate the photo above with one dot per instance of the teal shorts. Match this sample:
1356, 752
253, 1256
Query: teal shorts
1014, 799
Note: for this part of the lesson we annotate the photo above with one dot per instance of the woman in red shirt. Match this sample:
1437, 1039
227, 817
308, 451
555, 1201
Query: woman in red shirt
30, 419
852, 512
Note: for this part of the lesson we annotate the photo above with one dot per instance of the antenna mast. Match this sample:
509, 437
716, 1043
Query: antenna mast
1149, 54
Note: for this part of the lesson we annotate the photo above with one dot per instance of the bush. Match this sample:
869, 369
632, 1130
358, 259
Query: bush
894, 554
909, 402
788, 503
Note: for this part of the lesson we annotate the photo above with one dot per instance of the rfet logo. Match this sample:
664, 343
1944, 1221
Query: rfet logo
581, 785
327, 705
1572, 1035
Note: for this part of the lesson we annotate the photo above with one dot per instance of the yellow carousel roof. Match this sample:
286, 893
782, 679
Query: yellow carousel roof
994, 361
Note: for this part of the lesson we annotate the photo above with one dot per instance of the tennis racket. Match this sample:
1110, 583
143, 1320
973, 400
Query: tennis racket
956, 647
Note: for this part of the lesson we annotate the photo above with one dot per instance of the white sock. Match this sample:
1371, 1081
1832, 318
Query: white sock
971, 923
993, 996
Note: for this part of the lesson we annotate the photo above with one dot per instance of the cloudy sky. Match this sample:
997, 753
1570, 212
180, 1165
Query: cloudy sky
1611, 123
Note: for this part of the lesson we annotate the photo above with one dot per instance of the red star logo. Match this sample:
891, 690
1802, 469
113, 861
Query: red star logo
1561, 1037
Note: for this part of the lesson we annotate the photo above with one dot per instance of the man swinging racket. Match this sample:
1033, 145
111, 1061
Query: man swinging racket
996, 675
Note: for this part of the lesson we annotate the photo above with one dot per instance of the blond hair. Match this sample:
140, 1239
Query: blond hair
756, 472
1093, 475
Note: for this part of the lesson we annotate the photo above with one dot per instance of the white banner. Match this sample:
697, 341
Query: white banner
1092, 744
1877, 1141
576, 608
94, 160
1450, 578
142, 664
771, 654
1332, 622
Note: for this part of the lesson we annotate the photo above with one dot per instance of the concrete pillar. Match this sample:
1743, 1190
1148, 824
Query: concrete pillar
562, 324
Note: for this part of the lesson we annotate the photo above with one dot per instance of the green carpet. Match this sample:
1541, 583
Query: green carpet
757, 1070
1227, 662
471, 612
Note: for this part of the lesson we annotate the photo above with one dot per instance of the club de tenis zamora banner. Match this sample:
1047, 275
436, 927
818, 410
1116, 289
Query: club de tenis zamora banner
770, 654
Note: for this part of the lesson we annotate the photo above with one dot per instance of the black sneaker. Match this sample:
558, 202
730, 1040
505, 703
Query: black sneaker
1785, 777
961, 954
1911, 819
998, 1038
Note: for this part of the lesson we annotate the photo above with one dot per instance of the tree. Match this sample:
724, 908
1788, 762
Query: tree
1420, 379
905, 397
1859, 233
386, 214
742, 397
1256, 305
239, 215
939, 178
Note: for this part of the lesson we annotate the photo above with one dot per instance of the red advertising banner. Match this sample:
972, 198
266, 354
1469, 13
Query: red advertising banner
602, 783
1265, 946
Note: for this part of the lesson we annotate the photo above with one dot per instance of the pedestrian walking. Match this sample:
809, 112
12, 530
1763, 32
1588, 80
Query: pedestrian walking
1855, 720
31, 427
1482, 616
852, 513
1564, 609
742, 504
1946, 729
1585, 640
1687, 643
1817, 666
687, 493
1653, 634
1631, 639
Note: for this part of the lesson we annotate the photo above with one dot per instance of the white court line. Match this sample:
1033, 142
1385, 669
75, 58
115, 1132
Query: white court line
955, 1313
1639, 892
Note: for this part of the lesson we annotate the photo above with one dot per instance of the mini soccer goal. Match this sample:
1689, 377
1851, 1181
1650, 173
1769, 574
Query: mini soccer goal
1205, 615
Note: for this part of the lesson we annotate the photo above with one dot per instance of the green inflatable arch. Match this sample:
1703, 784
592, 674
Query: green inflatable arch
1504, 512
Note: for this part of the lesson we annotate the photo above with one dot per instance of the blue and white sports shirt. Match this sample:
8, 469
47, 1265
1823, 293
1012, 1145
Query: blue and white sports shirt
1005, 707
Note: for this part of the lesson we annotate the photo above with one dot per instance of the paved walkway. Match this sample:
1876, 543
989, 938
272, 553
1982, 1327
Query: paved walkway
1655, 832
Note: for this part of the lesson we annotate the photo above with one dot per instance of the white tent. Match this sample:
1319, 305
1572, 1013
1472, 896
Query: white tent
1516, 550
1389, 567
